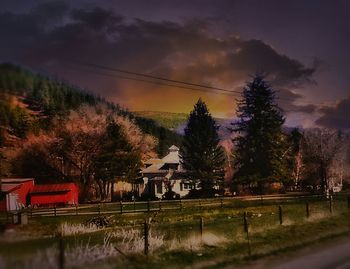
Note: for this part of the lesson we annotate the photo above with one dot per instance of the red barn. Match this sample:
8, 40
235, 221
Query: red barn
54, 194
14, 193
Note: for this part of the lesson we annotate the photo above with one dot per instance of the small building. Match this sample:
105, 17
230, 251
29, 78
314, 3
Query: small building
14, 193
165, 174
54, 194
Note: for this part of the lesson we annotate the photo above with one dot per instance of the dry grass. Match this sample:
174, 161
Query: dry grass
74, 229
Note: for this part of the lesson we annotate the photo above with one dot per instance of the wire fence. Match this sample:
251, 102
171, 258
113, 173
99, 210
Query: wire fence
162, 205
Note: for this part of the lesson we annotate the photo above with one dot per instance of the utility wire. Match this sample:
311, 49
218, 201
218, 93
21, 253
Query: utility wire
205, 88
152, 82
154, 77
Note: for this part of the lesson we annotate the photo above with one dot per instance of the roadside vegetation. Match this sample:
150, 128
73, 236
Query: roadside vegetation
176, 239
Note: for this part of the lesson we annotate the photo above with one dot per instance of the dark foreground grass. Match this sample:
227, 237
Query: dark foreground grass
280, 239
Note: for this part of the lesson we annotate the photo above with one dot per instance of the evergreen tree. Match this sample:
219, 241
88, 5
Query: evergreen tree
202, 156
260, 144
117, 158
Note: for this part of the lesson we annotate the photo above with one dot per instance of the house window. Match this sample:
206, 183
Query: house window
159, 187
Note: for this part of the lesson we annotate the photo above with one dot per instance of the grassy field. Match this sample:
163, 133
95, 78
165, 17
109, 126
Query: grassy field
175, 239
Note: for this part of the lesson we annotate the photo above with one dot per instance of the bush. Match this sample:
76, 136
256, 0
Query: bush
194, 194
171, 195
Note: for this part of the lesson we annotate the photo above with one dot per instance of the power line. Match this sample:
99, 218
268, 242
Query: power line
154, 77
205, 88
153, 82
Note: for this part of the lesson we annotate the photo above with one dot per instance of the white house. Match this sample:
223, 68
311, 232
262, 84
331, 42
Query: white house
161, 175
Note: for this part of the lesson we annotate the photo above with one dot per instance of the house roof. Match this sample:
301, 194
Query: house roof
153, 161
171, 158
47, 188
154, 168
173, 148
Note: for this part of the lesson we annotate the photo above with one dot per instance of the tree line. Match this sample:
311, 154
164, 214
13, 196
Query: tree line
265, 157
67, 134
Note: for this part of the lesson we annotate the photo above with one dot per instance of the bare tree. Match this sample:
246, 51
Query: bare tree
321, 148
79, 148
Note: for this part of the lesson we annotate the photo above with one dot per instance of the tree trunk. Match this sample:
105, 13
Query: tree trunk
112, 191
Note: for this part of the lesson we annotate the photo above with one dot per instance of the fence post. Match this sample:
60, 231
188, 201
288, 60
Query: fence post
201, 226
148, 206
181, 205
61, 252
246, 230
54, 210
121, 206
99, 209
280, 214
221, 203
134, 206
307, 210
146, 236
331, 204
76, 209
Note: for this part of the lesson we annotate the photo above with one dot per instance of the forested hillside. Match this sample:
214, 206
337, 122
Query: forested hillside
33, 104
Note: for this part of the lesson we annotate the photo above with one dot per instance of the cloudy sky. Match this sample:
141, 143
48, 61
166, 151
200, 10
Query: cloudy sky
303, 46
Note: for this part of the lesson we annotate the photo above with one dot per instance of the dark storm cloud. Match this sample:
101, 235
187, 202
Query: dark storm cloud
53, 34
97, 18
257, 55
50, 10
336, 117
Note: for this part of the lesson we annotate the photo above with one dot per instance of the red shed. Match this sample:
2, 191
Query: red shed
14, 193
54, 194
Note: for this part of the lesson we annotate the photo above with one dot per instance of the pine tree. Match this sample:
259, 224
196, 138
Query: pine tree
260, 144
117, 158
202, 156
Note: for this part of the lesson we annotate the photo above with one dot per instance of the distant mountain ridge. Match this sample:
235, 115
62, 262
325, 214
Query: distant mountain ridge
169, 120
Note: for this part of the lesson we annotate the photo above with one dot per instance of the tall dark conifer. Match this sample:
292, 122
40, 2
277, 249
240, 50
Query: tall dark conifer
202, 156
117, 159
260, 142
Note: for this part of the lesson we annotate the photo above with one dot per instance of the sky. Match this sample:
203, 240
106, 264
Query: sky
302, 46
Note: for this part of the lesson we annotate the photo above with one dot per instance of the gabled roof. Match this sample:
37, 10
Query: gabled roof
47, 188
171, 158
153, 161
173, 148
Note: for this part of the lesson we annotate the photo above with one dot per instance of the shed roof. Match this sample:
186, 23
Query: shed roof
47, 188
9, 187
15, 180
